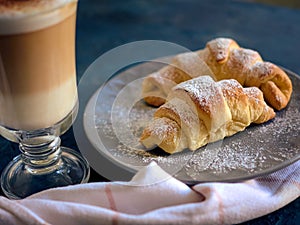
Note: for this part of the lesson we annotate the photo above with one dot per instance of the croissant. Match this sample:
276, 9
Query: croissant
222, 58
200, 111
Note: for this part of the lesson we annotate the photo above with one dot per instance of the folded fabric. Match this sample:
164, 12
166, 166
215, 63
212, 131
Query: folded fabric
154, 197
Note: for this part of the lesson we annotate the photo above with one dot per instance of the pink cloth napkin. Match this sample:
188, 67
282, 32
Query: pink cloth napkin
149, 199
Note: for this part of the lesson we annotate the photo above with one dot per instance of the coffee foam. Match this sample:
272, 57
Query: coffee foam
25, 16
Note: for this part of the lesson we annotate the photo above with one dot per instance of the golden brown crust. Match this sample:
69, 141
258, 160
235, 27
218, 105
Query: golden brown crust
247, 67
226, 60
278, 89
200, 110
154, 100
220, 49
162, 132
157, 85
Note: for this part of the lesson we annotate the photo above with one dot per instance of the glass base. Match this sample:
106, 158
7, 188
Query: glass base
18, 181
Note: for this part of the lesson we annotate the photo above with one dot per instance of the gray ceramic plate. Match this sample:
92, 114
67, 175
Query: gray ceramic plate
118, 115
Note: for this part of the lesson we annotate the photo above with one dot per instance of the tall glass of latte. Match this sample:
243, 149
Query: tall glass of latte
38, 94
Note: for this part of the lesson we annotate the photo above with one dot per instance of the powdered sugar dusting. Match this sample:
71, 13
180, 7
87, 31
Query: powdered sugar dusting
230, 86
255, 151
183, 110
163, 127
204, 90
220, 48
192, 64
245, 57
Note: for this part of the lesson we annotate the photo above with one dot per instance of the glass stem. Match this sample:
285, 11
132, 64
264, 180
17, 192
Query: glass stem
41, 154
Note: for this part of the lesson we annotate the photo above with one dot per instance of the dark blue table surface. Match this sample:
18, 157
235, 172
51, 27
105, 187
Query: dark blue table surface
103, 25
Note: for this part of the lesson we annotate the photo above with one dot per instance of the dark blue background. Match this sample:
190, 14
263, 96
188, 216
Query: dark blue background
105, 24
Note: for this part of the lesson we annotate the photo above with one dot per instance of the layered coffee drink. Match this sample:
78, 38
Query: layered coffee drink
37, 62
